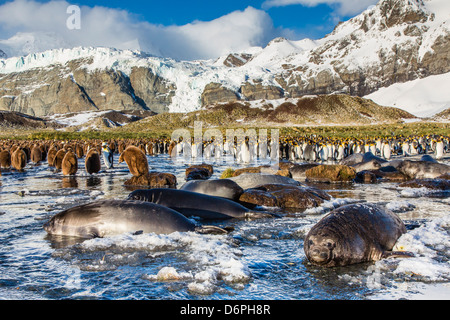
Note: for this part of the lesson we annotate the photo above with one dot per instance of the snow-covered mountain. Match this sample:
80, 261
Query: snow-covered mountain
394, 42
22, 44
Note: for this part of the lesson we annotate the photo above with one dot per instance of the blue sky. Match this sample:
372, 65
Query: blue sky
189, 29
304, 21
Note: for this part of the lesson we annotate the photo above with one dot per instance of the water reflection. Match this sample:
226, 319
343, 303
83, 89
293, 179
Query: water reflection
93, 181
69, 182
59, 242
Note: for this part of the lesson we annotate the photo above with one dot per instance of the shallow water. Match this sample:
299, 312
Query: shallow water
260, 259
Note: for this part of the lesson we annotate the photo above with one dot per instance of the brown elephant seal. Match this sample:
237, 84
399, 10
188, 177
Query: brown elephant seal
111, 217
354, 158
369, 165
353, 234
422, 169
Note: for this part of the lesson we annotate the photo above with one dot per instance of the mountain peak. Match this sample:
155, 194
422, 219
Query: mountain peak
395, 41
3, 55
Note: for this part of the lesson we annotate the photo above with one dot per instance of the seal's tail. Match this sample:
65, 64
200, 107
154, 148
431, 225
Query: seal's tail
398, 254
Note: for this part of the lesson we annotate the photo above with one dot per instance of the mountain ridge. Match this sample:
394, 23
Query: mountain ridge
393, 42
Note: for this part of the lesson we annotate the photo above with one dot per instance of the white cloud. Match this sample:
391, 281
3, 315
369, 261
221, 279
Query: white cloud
343, 7
32, 25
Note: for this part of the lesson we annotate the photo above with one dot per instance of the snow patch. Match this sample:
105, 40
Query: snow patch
421, 97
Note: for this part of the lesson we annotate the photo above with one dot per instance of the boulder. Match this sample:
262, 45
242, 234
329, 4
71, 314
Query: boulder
154, 179
284, 196
331, 173
391, 176
366, 177
199, 172
435, 184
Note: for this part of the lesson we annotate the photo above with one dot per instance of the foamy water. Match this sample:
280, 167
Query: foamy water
260, 259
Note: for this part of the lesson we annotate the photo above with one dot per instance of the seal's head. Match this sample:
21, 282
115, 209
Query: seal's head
49, 226
142, 195
320, 250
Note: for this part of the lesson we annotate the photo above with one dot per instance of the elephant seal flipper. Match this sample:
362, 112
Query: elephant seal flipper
261, 214
397, 254
211, 230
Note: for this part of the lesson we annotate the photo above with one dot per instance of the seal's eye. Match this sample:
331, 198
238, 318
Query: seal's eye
310, 242
330, 245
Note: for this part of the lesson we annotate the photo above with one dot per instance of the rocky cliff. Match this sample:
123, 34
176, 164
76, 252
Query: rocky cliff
395, 41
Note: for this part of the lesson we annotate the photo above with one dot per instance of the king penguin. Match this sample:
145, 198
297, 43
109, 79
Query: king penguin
108, 157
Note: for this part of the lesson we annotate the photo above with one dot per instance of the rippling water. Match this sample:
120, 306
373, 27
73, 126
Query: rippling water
260, 259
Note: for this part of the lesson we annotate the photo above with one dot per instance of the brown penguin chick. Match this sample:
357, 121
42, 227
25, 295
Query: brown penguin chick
136, 160
43, 151
69, 163
36, 154
79, 151
112, 146
19, 159
121, 147
57, 163
171, 146
5, 159
92, 162
51, 156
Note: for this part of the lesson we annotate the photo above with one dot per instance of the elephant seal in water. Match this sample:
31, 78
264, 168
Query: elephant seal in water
196, 204
253, 180
224, 188
353, 234
422, 169
110, 217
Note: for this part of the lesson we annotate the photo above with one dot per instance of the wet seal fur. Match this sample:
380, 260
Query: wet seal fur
352, 234
110, 217
224, 188
422, 169
196, 204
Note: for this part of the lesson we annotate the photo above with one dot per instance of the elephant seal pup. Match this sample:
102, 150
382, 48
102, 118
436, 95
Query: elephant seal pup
422, 169
353, 234
370, 156
110, 217
196, 204
224, 188
369, 165
253, 180
354, 158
